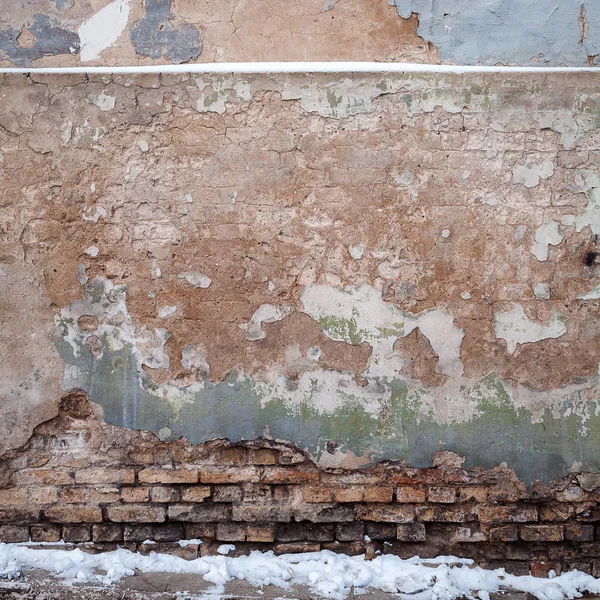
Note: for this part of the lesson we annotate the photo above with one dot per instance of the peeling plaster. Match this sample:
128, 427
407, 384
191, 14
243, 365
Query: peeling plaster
103, 29
489, 32
546, 235
530, 174
266, 313
196, 279
588, 183
516, 328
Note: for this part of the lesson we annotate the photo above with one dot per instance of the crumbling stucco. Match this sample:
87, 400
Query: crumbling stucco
322, 259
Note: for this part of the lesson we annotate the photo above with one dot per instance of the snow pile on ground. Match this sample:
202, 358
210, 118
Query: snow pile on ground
329, 575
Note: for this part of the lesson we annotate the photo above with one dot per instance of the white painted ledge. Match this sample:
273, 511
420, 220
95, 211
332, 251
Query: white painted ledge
299, 67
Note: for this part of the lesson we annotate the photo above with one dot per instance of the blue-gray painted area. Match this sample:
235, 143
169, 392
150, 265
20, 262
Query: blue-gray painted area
154, 35
50, 39
509, 32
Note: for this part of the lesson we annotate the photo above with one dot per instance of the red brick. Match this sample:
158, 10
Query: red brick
199, 531
507, 514
164, 494
556, 512
283, 475
349, 494
410, 494
197, 493
260, 533
441, 494
136, 513
107, 532
542, 533
442, 514
200, 513
77, 533
170, 476
46, 532
475, 494
506, 533
135, 494
10, 534
410, 532
386, 513
379, 494
73, 514
350, 532
43, 495
324, 513
74, 495
169, 532
579, 532
227, 493
542, 569
36, 477
99, 495
13, 497
262, 456
317, 493
274, 513
296, 548
235, 455
231, 532
100, 476
230, 475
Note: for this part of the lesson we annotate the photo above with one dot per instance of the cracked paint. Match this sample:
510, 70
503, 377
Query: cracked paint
103, 29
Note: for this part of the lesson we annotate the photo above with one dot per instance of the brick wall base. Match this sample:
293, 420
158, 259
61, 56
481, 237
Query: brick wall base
100, 487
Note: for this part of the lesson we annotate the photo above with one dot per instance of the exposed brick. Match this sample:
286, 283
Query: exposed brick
136, 513
442, 514
263, 513
37, 477
202, 513
381, 531
198, 493
441, 494
287, 457
73, 514
199, 531
542, 569
556, 512
379, 494
261, 494
135, 494
227, 493
291, 532
74, 495
19, 514
410, 494
542, 533
296, 548
579, 532
260, 533
13, 497
231, 532
43, 495
324, 513
138, 533
507, 514
169, 476
350, 532
164, 494
236, 455
10, 534
169, 532
46, 532
317, 493
386, 513
77, 533
282, 475
230, 475
101, 475
410, 532
104, 495
468, 534
262, 456
107, 532
475, 494
349, 494
571, 494
506, 533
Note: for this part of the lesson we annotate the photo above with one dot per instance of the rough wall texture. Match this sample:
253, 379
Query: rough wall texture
97, 487
374, 267
124, 32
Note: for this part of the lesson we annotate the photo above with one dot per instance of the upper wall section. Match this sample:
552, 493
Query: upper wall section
123, 32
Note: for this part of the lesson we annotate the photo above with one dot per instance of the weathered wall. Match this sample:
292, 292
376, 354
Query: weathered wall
123, 32
368, 267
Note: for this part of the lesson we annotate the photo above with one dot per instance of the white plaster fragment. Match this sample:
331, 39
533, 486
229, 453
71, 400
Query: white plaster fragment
446, 233
266, 313
546, 234
519, 232
404, 179
188, 198
143, 144
530, 174
195, 278
466, 295
93, 251
93, 213
516, 328
166, 311
490, 201
193, 358
270, 287
357, 251
103, 29
313, 353
541, 291
164, 433
103, 101
593, 294
588, 183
